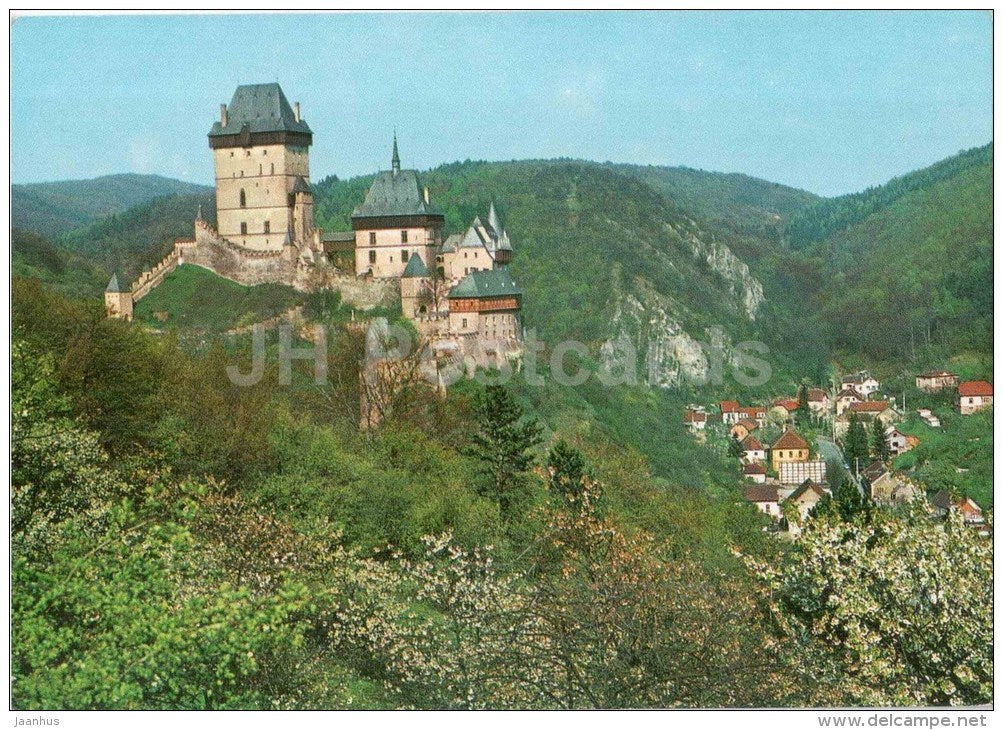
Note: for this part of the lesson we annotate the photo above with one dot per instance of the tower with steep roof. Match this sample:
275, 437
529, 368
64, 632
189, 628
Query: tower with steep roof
261, 150
117, 299
395, 222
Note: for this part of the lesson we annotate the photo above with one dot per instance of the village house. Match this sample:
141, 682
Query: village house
973, 396
783, 409
765, 497
729, 412
754, 413
741, 430
753, 450
818, 401
861, 382
845, 398
871, 410
754, 472
935, 381
803, 499
886, 488
695, 420
789, 447
898, 442
943, 502
798, 472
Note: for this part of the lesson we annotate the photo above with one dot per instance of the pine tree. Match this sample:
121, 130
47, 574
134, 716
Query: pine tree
502, 444
855, 444
879, 444
734, 447
803, 411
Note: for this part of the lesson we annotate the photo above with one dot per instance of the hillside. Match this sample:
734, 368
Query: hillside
139, 237
35, 257
911, 281
51, 209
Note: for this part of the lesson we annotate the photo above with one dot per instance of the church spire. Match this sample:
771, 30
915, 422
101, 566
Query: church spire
396, 161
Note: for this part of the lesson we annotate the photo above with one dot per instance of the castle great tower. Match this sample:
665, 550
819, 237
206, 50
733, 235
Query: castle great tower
261, 148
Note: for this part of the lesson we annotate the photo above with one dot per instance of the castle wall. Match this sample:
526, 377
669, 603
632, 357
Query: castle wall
266, 174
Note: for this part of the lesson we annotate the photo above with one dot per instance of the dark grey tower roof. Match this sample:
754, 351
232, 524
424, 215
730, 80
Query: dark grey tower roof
114, 286
395, 161
263, 108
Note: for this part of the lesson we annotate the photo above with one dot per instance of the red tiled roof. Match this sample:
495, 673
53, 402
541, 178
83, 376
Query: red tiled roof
729, 406
750, 425
761, 493
790, 440
753, 469
870, 406
800, 491
816, 395
849, 392
695, 417
975, 387
751, 443
752, 411
791, 404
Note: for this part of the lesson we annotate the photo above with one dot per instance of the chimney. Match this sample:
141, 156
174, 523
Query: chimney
426, 195
222, 114
296, 110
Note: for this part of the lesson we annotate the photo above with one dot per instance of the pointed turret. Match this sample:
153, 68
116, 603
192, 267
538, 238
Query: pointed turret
415, 267
493, 220
395, 162
113, 285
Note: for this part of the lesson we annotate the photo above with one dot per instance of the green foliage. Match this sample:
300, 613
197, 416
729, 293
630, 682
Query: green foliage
879, 444
905, 275
191, 297
502, 445
566, 470
855, 445
957, 456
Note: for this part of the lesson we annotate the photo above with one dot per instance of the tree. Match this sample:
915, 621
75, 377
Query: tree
566, 469
502, 444
803, 411
879, 444
855, 444
734, 447
886, 609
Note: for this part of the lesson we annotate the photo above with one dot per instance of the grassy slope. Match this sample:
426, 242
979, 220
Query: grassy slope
55, 208
195, 298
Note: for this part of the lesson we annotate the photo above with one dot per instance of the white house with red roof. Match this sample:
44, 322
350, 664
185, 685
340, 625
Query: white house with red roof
973, 396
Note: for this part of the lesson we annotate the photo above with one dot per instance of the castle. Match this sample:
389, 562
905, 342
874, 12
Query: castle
457, 292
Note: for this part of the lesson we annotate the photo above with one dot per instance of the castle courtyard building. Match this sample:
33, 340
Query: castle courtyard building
394, 222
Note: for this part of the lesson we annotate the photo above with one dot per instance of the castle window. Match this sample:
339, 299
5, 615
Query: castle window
273, 168
403, 236
268, 226
372, 238
243, 229
261, 170
231, 153
264, 152
372, 256
464, 323
404, 255
243, 198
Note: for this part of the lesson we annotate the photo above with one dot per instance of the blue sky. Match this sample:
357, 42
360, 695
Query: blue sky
828, 101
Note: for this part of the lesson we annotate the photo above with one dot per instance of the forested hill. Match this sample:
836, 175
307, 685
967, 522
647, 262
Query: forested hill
828, 216
906, 274
54, 208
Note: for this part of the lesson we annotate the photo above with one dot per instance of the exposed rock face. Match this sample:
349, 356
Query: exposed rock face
720, 259
645, 330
